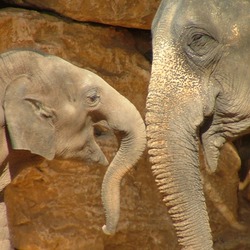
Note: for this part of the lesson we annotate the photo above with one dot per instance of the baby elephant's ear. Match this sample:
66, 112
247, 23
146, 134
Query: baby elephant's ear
29, 121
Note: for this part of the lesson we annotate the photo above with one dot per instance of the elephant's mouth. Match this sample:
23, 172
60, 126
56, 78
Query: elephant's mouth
242, 147
101, 128
107, 139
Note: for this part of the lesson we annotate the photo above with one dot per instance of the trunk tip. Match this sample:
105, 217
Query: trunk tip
106, 231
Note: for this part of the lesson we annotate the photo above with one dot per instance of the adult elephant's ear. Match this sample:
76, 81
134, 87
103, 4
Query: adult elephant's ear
29, 121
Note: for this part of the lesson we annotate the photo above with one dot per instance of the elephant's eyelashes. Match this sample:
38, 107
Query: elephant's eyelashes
93, 98
200, 47
201, 44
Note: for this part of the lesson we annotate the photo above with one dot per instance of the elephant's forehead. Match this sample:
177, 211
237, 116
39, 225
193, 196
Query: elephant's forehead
215, 7
67, 79
89, 79
55, 65
71, 73
228, 16
60, 72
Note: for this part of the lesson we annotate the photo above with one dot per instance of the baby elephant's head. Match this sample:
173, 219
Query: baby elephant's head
50, 107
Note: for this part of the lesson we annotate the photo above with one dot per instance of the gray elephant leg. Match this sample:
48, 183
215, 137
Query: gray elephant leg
5, 243
4, 230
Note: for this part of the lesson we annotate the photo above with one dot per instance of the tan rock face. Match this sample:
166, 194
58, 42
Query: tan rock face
109, 51
125, 13
57, 204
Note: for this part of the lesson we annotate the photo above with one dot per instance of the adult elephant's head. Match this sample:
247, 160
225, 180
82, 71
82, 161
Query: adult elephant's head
199, 91
50, 107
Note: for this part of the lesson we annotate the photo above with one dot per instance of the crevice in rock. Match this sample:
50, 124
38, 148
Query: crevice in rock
42, 11
57, 15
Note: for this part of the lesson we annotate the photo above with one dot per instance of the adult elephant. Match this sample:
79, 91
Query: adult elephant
48, 107
199, 91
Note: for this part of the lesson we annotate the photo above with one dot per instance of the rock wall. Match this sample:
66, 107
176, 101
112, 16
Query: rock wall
57, 204
125, 13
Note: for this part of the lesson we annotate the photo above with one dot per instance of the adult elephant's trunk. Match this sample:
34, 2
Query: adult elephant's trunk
172, 129
122, 116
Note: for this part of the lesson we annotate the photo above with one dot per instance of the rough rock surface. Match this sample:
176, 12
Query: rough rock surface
57, 205
125, 13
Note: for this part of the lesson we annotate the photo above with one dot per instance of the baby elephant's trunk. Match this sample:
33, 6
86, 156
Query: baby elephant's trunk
124, 118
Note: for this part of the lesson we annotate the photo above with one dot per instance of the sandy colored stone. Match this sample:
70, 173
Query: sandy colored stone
125, 13
109, 51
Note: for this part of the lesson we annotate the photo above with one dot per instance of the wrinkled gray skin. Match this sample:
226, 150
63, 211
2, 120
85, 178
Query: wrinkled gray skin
49, 106
199, 90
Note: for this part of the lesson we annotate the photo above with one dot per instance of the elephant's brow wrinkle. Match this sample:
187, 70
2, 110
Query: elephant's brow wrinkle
5, 66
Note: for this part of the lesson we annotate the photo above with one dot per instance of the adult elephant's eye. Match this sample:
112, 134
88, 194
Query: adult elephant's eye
201, 43
201, 48
93, 98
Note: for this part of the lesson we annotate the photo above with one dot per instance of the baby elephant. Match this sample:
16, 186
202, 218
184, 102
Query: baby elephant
48, 107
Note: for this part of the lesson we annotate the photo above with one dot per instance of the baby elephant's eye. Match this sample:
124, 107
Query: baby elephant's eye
93, 98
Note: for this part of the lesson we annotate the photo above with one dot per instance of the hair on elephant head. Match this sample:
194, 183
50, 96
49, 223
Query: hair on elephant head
49, 107
199, 91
